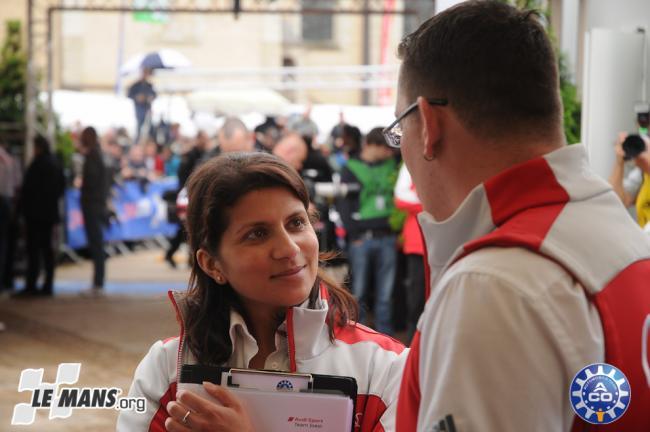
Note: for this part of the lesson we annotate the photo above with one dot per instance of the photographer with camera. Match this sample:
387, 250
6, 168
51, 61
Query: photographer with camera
633, 188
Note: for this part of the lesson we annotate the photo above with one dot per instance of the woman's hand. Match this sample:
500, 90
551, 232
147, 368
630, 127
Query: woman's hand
206, 415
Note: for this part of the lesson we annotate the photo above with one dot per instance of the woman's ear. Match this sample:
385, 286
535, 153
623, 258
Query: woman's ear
210, 266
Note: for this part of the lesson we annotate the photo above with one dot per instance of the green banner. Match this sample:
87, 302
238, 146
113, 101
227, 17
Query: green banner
154, 17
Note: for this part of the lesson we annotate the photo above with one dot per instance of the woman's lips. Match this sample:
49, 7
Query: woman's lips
292, 271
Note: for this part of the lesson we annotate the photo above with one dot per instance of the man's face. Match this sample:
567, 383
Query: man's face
293, 150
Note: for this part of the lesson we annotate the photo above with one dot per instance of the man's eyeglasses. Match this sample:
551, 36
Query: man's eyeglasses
393, 133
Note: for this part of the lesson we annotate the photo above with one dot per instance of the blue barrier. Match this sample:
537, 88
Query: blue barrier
141, 213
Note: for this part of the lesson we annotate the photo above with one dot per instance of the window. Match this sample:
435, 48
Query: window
317, 27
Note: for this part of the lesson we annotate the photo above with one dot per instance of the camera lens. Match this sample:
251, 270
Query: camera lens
633, 146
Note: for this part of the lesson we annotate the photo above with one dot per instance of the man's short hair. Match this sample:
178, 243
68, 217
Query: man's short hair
232, 125
376, 137
494, 64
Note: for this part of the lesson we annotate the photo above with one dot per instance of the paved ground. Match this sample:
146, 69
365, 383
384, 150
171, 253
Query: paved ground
108, 336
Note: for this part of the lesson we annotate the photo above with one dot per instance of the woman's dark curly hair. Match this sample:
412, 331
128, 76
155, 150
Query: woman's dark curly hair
213, 189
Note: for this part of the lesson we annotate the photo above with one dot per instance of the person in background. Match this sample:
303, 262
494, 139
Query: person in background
143, 94
406, 199
536, 270
135, 167
234, 136
303, 124
153, 161
94, 196
171, 160
189, 162
372, 244
9, 187
315, 166
267, 135
633, 189
292, 149
350, 146
43, 187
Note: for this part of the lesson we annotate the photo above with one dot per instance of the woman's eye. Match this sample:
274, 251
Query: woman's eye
298, 223
256, 234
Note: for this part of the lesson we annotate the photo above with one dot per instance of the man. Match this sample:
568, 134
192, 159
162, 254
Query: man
143, 94
535, 270
234, 136
292, 149
43, 187
372, 244
633, 189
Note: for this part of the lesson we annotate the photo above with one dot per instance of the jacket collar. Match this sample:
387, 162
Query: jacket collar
306, 329
554, 179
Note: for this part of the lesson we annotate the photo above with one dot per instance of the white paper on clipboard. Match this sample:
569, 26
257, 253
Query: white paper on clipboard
286, 411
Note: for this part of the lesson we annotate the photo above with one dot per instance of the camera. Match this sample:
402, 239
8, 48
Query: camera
633, 146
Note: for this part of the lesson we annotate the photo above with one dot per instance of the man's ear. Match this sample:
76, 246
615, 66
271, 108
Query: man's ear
430, 128
210, 266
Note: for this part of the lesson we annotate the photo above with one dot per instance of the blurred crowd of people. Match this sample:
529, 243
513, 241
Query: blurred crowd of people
366, 216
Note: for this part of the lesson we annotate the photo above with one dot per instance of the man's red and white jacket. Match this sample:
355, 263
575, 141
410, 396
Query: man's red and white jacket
302, 345
539, 273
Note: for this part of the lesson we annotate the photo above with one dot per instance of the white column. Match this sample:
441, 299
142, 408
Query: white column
613, 70
569, 34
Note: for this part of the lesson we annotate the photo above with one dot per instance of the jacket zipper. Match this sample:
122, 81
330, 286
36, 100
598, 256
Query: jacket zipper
181, 341
291, 341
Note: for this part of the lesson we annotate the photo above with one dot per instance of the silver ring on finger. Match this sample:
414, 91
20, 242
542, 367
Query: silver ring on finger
186, 418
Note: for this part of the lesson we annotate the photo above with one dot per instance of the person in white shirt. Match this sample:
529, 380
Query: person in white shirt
535, 269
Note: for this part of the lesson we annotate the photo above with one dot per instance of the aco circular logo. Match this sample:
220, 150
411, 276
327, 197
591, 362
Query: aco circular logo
284, 385
600, 393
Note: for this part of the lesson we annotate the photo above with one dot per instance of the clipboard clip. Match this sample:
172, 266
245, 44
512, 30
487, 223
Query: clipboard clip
271, 375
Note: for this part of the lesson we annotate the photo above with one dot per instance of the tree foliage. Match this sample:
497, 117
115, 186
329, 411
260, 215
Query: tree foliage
13, 76
568, 92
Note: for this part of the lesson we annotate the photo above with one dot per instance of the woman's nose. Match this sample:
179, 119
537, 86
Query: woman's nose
284, 246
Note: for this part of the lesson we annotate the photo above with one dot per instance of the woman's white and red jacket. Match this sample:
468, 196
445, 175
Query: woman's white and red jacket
302, 345
539, 273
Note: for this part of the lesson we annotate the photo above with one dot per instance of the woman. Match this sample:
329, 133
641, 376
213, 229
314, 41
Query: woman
95, 188
258, 299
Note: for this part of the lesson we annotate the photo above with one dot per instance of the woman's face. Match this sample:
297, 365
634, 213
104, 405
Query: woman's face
269, 252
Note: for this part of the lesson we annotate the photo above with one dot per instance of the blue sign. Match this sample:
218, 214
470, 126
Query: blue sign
600, 393
141, 213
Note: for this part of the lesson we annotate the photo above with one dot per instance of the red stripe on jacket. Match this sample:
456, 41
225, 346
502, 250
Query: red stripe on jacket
622, 307
352, 334
408, 405
158, 421
369, 410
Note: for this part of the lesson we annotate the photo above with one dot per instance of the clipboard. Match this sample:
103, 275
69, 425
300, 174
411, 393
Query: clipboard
282, 401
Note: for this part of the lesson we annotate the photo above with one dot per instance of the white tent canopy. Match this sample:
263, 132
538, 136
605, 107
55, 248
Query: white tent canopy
238, 101
104, 110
